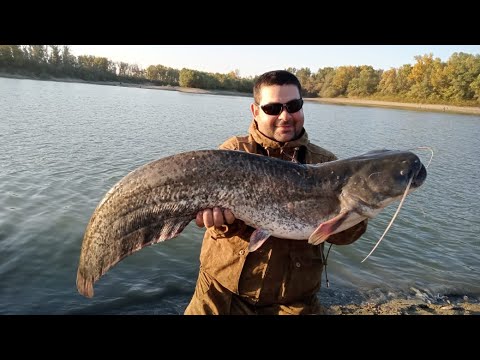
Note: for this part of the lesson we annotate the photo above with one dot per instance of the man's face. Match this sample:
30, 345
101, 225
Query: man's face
284, 126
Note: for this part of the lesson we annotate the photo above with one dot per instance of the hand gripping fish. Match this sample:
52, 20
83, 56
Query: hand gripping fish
278, 198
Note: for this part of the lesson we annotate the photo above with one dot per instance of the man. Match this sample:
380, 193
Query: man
282, 276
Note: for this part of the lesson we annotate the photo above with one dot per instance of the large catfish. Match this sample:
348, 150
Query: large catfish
287, 200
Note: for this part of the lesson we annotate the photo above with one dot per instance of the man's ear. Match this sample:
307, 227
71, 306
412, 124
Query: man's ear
254, 109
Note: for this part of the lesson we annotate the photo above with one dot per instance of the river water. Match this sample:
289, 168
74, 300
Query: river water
63, 145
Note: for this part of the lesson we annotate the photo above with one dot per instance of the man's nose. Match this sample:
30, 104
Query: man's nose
285, 114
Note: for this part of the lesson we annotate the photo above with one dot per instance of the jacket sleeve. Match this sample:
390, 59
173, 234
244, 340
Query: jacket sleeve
349, 236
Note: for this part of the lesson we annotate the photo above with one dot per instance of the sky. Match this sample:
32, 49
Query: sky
252, 60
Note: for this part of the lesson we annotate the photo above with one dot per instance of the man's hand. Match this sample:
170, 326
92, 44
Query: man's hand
214, 217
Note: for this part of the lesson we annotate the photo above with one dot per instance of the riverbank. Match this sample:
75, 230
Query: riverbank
406, 307
134, 85
392, 104
413, 301
337, 101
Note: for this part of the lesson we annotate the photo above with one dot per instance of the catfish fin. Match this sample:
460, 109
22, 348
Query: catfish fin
327, 228
97, 255
258, 237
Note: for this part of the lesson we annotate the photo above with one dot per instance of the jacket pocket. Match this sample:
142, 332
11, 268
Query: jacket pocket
303, 275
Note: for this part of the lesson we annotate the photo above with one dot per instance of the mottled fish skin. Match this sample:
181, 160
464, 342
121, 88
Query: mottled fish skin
157, 201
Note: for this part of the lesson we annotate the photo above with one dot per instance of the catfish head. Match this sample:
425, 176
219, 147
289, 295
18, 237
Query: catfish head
379, 178
367, 184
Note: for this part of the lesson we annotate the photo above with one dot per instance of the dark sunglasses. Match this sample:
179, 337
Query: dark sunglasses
276, 108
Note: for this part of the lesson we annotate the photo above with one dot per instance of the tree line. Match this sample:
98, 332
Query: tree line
428, 80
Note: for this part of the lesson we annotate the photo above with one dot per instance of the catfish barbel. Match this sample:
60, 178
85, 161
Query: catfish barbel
278, 198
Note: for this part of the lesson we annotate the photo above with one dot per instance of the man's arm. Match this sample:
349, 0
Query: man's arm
348, 236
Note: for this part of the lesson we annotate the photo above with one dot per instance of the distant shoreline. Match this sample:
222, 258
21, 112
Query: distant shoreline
470, 110
392, 104
127, 84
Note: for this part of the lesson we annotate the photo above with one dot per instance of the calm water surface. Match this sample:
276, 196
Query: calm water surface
63, 145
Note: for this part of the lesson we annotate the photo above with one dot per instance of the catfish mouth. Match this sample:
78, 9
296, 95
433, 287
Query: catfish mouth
419, 178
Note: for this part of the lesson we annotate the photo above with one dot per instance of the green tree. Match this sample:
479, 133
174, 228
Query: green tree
421, 77
6, 57
38, 54
123, 69
189, 78
365, 83
461, 70
438, 80
388, 82
475, 86
320, 80
69, 61
341, 79
403, 81
55, 58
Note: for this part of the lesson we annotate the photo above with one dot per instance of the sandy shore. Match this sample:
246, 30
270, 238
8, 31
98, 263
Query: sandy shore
392, 104
407, 307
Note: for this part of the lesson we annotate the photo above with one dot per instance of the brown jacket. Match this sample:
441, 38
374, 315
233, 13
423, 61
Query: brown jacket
281, 271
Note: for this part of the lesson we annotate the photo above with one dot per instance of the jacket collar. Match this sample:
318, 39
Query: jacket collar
273, 144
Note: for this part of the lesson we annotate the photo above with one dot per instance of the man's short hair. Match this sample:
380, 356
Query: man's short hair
275, 77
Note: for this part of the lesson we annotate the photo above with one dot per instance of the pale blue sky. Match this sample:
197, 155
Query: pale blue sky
253, 60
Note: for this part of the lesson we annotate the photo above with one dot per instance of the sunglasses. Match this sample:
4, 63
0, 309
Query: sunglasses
276, 108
